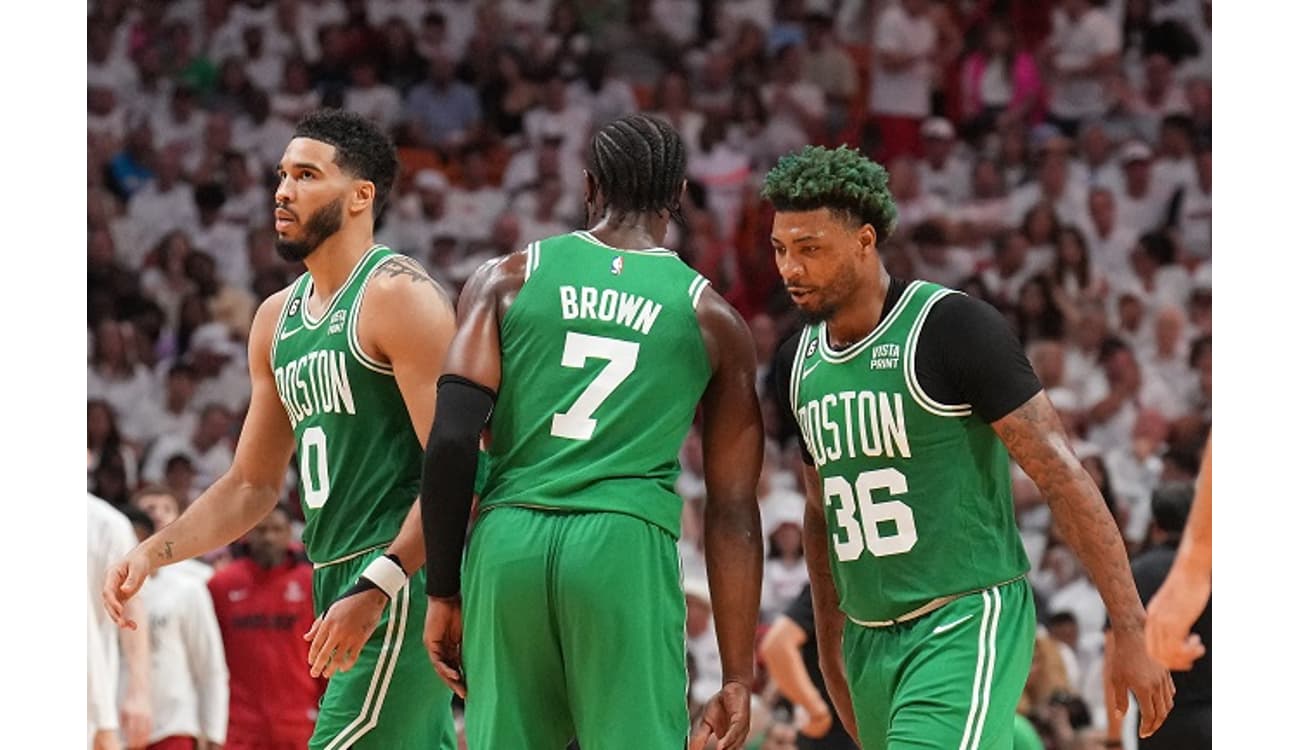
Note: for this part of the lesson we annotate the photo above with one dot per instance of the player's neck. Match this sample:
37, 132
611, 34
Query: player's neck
630, 231
854, 321
332, 263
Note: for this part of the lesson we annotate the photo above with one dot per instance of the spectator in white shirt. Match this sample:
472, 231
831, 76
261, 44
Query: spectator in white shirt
914, 205
1082, 52
173, 414
606, 97
1095, 165
475, 203
1175, 165
190, 692
108, 450
165, 203
1154, 276
945, 171
116, 374
830, 68
260, 133
987, 212
1141, 205
181, 124
544, 211
1109, 242
789, 95
672, 103
1113, 406
411, 230
1012, 267
1052, 185
559, 116
1192, 213
1160, 95
223, 240
371, 97
701, 642
295, 97
109, 538
934, 259
262, 64
247, 199
207, 447
784, 572
104, 68
905, 52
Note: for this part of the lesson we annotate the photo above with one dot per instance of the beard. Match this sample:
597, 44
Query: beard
320, 226
828, 300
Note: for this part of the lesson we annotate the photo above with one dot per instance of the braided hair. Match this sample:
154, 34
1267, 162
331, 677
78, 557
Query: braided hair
639, 163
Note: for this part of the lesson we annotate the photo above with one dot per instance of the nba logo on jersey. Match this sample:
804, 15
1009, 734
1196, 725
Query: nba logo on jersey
616, 267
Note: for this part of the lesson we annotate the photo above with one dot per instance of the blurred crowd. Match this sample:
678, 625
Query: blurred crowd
1052, 158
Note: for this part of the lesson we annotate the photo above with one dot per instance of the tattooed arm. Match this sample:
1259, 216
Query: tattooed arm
1035, 438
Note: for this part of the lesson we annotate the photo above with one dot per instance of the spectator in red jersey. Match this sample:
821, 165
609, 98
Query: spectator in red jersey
264, 605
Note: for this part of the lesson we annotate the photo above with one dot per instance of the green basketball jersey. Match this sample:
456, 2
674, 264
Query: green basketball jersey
602, 365
917, 494
359, 457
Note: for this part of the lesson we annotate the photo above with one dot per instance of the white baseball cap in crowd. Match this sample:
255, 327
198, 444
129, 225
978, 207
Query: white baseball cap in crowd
430, 179
938, 127
1135, 151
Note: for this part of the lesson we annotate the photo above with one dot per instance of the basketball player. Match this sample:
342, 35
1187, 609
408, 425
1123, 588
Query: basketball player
590, 352
344, 364
908, 397
1185, 592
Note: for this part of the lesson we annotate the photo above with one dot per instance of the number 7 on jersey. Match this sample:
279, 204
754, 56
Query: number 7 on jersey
576, 423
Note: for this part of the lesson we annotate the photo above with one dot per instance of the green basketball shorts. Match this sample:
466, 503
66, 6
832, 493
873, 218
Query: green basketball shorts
574, 625
949, 679
391, 699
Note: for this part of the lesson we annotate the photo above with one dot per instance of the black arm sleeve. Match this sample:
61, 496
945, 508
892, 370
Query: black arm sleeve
447, 486
780, 380
968, 354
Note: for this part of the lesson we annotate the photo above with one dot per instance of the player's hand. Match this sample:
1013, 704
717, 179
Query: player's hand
442, 638
1133, 669
813, 722
137, 719
1169, 622
122, 582
338, 635
106, 739
725, 716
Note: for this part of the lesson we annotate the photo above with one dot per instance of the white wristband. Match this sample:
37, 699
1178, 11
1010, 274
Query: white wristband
386, 574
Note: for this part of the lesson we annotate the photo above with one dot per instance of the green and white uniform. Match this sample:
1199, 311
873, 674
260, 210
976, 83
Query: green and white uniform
923, 544
359, 463
574, 613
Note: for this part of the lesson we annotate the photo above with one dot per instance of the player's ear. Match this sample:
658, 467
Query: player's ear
867, 237
363, 194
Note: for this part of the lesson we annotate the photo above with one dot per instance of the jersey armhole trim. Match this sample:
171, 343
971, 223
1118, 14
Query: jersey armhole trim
354, 327
696, 290
283, 316
533, 253
922, 398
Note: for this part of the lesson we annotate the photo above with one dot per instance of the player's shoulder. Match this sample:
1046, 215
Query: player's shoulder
400, 278
956, 311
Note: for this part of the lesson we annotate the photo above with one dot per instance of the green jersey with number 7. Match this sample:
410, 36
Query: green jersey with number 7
615, 365
359, 459
917, 494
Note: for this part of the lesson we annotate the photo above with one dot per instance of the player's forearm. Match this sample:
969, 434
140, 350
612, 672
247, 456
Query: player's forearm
222, 514
1088, 528
733, 550
409, 544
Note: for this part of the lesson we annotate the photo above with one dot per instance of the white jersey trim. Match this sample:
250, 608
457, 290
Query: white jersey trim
368, 718
354, 327
919, 395
830, 355
589, 237
338, 293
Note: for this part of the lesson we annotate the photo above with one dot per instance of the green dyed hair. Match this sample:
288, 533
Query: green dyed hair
853, 187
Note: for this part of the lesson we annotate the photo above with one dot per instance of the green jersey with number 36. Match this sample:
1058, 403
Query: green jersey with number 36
602, 364
359, 459
917, 494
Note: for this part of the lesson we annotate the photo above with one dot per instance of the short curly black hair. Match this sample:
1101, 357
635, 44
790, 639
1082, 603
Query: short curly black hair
361, 148
851, 186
